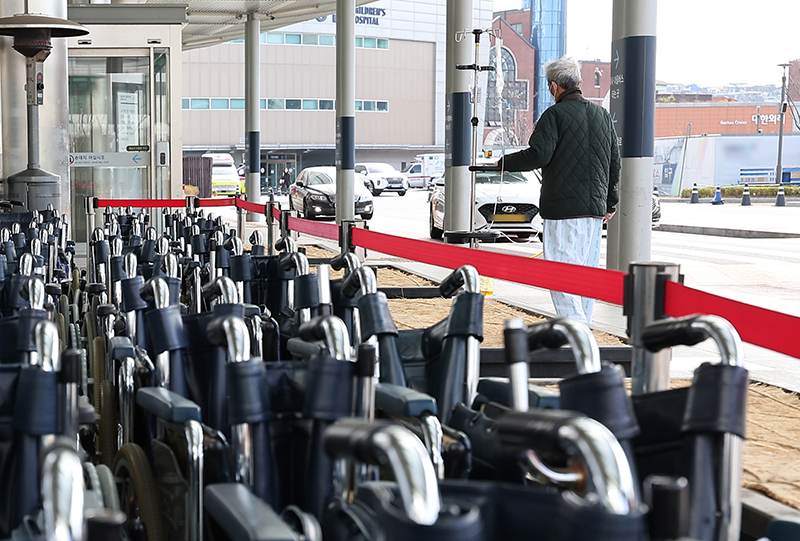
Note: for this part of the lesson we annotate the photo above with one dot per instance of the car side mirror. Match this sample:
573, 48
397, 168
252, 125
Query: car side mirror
299, 183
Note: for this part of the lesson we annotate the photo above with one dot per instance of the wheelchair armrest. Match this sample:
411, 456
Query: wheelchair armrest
302, 349
498, 390
243, 516
168, 406
120, 347
403, 402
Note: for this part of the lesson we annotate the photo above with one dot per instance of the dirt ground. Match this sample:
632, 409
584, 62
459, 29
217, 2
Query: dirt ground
772, 448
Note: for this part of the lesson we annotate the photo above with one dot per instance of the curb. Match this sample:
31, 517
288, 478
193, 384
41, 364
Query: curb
720, 232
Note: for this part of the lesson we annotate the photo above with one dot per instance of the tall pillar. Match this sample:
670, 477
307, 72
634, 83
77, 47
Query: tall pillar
53, 113
458, 112
252, 112
633, 61
345, 109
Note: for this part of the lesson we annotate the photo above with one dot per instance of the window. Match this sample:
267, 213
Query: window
294, 39
219, 103
237, 103
185, 103
383, 44
369, 43
369, 105
597, 79
263, 103
517, 28
326, 105
327, 40
310, 39
359, 42
240, 40
199, 103
359, 105
293, 104
275, 38
310, 105
262, 38
274, 103
382, 106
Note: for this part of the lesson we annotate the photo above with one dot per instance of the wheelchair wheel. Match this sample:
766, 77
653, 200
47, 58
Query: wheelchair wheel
138, 496
98, 368
108, 422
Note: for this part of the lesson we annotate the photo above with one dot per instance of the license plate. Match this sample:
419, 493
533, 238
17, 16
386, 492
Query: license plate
512, 218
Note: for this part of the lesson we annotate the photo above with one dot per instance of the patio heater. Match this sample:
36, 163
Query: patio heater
34, 187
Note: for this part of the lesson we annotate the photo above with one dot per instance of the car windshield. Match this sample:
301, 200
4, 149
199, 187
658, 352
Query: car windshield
223, 169
380, 168
319, 178
496, 178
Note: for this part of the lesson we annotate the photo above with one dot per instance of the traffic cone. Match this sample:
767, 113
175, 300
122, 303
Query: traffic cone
718, 197
781, 201
695, 195
746, 196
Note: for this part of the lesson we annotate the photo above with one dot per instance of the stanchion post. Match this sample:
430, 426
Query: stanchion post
643, 304
346, 238
272, 225
285, 231
91, 203
240, 222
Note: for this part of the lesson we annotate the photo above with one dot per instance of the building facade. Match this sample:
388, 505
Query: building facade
400, 88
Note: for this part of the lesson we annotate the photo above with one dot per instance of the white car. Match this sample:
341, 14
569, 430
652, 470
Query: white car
508, 203
383, 177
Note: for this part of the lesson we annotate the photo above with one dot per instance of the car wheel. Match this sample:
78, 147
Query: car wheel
401, 194
372, 188
436, 233
540, 234
523, 236
366, 216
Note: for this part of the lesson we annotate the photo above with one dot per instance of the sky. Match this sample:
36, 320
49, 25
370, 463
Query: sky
705, 42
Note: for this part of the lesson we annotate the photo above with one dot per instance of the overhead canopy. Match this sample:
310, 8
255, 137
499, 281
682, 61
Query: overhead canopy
216, 21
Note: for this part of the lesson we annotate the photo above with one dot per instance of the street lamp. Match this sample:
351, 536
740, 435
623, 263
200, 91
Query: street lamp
782, 111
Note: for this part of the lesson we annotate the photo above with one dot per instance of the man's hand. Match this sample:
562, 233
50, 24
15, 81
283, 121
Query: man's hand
608, 216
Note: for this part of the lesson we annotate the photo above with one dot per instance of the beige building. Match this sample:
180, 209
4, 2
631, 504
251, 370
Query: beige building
400, 88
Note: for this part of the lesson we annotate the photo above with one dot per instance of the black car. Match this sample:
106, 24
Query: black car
314, 194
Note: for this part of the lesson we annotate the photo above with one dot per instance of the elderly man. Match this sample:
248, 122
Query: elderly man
575, 145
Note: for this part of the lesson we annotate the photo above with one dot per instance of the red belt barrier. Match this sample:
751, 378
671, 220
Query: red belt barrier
276, 213
141, 203
605, 285
250, 206
758, 326
317, 229
229, 202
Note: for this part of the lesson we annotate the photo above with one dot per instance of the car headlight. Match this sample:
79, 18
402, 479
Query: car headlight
318, 198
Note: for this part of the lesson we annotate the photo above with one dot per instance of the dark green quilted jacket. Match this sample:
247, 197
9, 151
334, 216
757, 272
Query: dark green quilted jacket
575, 145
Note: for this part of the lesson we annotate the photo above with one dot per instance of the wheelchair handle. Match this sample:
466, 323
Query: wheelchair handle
691, 330
560, 331
332, 331
346, 259
230, 332
362, 278
465, 276
222, 288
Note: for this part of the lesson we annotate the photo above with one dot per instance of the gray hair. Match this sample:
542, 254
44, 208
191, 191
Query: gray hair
565, 72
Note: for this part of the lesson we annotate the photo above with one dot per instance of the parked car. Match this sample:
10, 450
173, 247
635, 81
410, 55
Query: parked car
314, 194
508, 203
225, 179
383, 177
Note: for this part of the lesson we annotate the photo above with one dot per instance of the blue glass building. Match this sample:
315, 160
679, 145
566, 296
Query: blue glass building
549, 37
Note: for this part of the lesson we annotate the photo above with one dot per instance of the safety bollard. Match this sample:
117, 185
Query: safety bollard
781, 200
695, 195
718, 197
746, 196
643, 304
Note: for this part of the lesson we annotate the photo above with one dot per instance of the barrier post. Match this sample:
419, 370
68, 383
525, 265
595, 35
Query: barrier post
91, 203
643, 304
285, 231
346, 238
272, 225
240, 222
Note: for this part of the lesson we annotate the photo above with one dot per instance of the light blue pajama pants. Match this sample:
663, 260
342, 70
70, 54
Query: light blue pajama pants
576, 241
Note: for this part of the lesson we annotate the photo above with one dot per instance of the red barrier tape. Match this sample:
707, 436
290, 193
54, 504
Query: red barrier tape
317, 229
605, 285
228, 202
250, 206
276, 213
758, 326
141, 203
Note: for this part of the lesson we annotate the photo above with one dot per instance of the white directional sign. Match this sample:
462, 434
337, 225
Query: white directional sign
109, 159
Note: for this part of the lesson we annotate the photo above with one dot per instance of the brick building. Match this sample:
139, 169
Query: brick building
678, 119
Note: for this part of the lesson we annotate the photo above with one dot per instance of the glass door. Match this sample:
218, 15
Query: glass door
110, 100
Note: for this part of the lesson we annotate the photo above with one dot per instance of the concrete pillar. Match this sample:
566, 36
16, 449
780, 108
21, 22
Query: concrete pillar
633, 59
53, 114
458, 112
345, 109
252, 112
